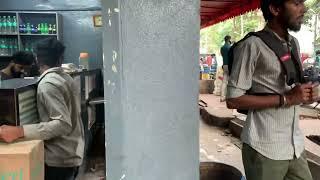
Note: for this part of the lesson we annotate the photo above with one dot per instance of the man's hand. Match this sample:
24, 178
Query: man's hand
316, 92
10, 133
300, 94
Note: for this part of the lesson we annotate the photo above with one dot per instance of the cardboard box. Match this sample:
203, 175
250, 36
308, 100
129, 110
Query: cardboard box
22, 160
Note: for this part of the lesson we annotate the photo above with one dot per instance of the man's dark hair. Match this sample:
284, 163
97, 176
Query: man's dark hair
265, 7
50, 52
227, 38
23, 58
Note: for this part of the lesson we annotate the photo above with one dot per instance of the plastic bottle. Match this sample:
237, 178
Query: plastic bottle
31, 47
5, 47
39, 29
50, 29
4, 24
1, 25
15, 46
32, 29
36, 30
28, 30
10, 47
46, 29
54, 29
9, 25
27, 48
21, 28
42, 28
14, 24
1, 49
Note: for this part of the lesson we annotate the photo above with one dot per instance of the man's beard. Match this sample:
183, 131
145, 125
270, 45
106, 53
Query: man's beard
15, 74
294, 27
291, 25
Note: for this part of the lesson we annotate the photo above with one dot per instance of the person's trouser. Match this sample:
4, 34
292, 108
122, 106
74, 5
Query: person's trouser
224, 83
60, 173
259, 167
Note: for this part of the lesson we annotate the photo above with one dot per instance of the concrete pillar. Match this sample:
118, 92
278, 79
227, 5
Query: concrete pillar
151, 50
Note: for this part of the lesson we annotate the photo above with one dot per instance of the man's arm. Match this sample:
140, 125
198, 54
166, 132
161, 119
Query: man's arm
253, 102
298, 95
59, 122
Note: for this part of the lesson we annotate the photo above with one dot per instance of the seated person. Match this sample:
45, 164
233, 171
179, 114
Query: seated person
20, 61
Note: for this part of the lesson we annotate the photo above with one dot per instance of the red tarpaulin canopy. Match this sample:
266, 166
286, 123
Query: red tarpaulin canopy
214, 11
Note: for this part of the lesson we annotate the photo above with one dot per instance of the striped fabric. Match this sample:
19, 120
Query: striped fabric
273, 132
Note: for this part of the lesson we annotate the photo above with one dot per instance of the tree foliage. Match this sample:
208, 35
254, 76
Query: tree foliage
313, 9
212, 38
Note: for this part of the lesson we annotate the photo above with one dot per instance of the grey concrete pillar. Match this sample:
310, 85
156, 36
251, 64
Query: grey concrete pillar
151, 69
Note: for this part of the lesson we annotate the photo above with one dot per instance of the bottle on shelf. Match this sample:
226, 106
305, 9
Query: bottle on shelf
28, 30
26, 46
32, 29
4, 24
9, 25
36, 30
54, 29
1, 48
39, 29
30, 47
21, 28
15, 46
42, 28
50, 29
10, 47
1, 25
4, 48
46, 29
14, 24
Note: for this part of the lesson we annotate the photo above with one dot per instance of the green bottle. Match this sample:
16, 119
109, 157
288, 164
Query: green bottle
10, 47
1, 25
39, 29
5, 47
15, 46
1, 49
4, 24
46, 28
26, 48
14, 24
42, 28
28, 28
9, 25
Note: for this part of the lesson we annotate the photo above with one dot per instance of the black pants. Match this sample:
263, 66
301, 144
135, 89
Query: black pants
60, 173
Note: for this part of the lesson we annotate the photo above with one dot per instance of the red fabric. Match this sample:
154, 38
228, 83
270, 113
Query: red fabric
215, 11
209, 61
304, 56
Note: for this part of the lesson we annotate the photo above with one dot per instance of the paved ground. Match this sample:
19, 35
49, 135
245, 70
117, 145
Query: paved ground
216, 144
309, 126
